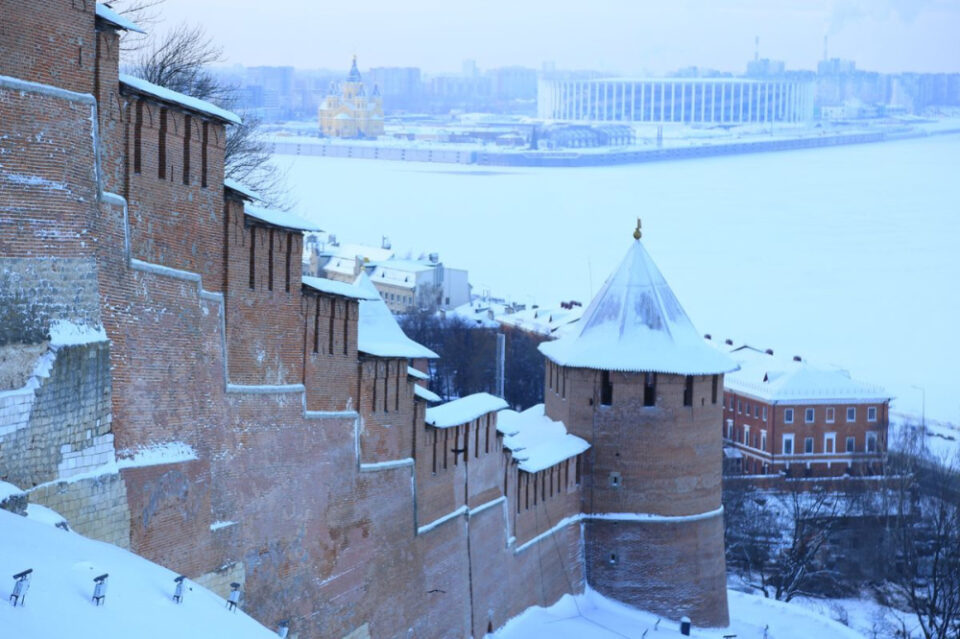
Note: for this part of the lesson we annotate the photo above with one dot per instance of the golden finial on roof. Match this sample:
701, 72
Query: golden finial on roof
637, 234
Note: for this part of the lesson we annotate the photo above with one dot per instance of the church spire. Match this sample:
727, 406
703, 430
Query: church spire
354, 75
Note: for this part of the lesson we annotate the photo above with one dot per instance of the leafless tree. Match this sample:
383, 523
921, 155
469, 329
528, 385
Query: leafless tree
922, 549
775, 538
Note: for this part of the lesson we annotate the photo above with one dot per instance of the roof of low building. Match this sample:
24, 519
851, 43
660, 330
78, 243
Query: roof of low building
636, 324
283, 219
110, 16
334, 287
166, 95
378, 333
780, 380
536, 441
463, 410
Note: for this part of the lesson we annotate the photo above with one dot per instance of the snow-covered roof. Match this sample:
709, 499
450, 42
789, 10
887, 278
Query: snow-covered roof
283, 219
635, 323
536, 441
423, 393
241, 188
351, 251
460, 411
544, 321
378, 333
107, 14
185, 101
333, 287
341, 265
412, 372
777, 379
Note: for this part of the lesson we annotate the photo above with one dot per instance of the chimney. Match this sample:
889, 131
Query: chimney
769, 351
797, 358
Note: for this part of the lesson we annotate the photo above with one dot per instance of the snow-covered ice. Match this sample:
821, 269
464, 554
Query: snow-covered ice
842, 255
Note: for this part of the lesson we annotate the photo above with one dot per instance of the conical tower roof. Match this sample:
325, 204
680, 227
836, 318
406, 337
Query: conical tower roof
636, 324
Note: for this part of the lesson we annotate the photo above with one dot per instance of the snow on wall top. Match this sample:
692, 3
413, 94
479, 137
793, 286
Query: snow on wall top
106, 13
241, 188
378, 333
194, 104
334, 287
776, 379
139, 593
412, 372
634, 324
423, 393
283, 219
535, 440
460, 411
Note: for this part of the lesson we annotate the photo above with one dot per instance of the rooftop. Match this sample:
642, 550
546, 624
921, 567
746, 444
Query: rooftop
166, 95
536, 441
242, 189
110, 16
283, 219
463, 410
378, 333
636, 324
334, 287
777, 379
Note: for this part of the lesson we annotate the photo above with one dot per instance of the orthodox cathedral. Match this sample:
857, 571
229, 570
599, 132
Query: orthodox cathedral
348, 112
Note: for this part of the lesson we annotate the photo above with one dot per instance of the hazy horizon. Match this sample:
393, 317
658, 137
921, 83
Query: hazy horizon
613, 36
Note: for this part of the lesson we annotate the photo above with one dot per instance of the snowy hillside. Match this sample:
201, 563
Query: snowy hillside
138, 599
592, 616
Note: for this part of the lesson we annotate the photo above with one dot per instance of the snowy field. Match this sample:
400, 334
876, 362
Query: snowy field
846, 255
594, 616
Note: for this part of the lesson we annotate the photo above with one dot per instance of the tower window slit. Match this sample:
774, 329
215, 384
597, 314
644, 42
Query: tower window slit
333, 308
688, 391
270, 261
138, 138
162, 146
650, 389
203, 154
606, 389
289, 252
186, 149
253, 257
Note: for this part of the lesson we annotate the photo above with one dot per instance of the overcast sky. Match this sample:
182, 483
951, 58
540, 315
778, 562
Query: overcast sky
619, 36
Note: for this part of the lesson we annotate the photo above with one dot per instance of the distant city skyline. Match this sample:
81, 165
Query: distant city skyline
615, 36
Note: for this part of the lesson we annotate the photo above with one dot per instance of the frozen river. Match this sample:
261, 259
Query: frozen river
847, 255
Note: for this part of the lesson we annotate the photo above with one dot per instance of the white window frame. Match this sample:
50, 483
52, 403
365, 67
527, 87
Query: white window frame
812, 446
763, 440
849, 409
756, 411
809, 415
851, 444
871, 413
871, 437
739, 407
831, 415
830, 443
730, 429
787, 415
746, 435
788, 438
764, 413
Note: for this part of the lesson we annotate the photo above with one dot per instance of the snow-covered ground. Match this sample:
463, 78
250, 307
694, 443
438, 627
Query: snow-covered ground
843, 255
139, 593
592, 616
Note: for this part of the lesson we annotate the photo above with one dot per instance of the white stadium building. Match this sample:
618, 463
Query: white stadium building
682, 100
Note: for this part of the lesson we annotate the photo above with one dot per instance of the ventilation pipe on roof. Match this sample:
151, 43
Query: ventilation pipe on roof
728, 342
708, 336
769, 351
797, 358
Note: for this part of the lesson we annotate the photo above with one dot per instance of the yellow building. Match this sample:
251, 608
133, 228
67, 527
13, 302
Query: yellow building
348, 112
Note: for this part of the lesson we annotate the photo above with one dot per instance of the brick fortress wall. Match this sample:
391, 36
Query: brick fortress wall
275, 489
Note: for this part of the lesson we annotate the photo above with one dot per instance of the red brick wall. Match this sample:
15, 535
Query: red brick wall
265, 326
331, 376
175, 224
53, 42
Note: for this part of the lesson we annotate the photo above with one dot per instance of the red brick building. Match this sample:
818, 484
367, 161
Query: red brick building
790, 416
